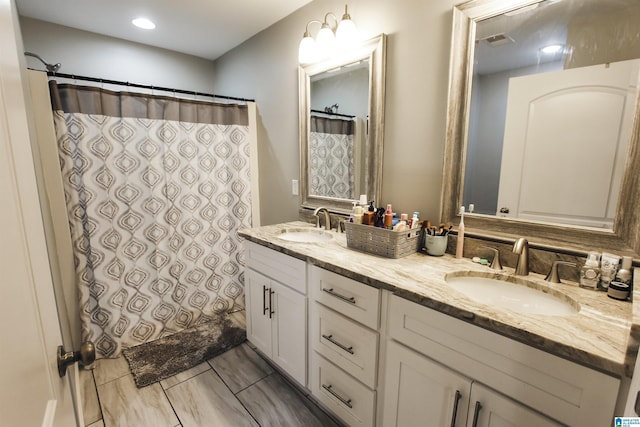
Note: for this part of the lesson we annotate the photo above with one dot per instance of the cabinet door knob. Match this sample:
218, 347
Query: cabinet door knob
456, 399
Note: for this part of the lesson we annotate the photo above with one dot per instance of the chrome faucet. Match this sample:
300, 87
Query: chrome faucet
327, 218
521, 247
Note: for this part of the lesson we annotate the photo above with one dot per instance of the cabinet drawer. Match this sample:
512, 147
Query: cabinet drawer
565, 391
349, 297
285, 269
351, 401
344, 342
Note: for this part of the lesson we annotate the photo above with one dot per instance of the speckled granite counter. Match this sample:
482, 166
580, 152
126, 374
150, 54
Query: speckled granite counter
604, 334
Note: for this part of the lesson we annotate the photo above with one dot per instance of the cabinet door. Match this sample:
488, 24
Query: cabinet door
490, 409
289, 328
257, 308
419, 391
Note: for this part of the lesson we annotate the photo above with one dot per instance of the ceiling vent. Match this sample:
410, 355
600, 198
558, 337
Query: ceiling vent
497, 40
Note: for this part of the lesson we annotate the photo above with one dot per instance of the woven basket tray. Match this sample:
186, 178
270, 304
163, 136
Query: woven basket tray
383, 242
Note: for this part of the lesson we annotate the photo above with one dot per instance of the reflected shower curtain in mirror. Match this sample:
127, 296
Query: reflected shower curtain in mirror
156, 190
331, 158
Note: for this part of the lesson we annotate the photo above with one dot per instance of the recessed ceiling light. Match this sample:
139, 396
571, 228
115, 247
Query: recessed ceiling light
143, 23
552, 48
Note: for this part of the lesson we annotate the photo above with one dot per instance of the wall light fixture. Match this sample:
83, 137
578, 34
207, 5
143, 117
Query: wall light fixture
329, 39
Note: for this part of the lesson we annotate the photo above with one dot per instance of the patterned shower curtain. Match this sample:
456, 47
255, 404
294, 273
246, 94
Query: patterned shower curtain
156, 190
331, 158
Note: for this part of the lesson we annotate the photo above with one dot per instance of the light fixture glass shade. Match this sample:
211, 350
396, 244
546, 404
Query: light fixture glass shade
346, 32
325, 41
307, 52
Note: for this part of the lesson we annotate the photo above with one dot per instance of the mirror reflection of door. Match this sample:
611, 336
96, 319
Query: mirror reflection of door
339, 101
566, 133
539, 38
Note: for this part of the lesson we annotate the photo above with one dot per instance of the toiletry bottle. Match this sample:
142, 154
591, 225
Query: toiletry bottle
590, 272
368, 216
624, 274
380, 217
357, 216
363, 202
402, 224
388, 217
460, 240
415, 220
608, 269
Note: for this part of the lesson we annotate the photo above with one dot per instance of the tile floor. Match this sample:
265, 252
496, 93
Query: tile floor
237, 388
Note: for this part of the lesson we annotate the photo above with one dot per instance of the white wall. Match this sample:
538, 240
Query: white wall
265, 68
89, 54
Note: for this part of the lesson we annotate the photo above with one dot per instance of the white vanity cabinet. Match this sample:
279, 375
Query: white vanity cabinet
418, 389
276, 307
344, 318
434, 361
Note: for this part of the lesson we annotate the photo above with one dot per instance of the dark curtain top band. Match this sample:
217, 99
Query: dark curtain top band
332, 126
94, 100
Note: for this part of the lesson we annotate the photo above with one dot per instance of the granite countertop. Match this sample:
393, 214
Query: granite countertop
604, 334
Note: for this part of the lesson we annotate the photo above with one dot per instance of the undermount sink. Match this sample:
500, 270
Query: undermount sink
518, 297
305, 235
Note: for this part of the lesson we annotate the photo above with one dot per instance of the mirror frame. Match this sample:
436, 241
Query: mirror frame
373, 50
624, 239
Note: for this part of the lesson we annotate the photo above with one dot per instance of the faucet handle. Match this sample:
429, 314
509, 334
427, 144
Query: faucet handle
553, 275
495, 262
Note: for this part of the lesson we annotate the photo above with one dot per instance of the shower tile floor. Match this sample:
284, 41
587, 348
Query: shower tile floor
236, 388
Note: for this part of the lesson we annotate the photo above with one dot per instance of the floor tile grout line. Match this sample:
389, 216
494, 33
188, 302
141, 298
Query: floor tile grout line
95, 388
234, 394
164, 391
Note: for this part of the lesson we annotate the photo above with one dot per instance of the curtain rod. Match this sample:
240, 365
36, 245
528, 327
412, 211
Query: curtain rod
333, 114
141, 86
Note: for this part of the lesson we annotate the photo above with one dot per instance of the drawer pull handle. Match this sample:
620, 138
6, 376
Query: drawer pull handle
336, 343
476, 414
456, 399
347, 402
331, 292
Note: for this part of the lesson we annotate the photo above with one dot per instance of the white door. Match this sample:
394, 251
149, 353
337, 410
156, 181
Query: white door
565, 144
31, 391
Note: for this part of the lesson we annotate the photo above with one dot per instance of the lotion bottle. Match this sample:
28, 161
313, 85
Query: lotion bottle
460, 240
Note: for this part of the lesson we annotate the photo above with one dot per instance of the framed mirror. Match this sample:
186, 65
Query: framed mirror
544, 144
341, 114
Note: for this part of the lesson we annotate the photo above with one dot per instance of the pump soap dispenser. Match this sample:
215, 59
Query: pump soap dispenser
590, 272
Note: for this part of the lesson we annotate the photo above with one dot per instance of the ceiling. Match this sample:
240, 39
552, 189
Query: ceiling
204, 28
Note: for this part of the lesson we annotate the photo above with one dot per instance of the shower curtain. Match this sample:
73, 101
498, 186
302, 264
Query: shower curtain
331, 158
156, 190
